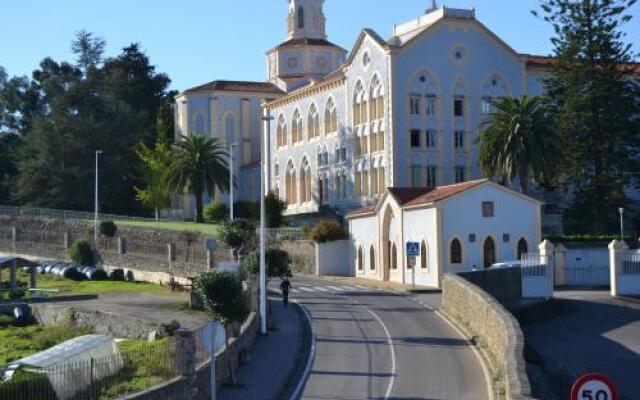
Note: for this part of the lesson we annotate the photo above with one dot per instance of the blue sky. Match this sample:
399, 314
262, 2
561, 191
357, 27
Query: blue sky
196, 41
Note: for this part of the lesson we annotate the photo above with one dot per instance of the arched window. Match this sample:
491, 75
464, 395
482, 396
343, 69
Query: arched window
276, 168
281, 132
376, 96
423, 255
330, 118
455, 252
372, 258
394, 256
523, 248
305, 181
313, 122
489, 252
291, 184
359, 105
199, 125
300, 18
360, 260
296, 128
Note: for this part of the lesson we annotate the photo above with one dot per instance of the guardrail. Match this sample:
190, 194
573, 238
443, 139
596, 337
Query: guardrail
69, 215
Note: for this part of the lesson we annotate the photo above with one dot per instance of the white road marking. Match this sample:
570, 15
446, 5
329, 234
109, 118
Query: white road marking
321, 289
337, 289
295, 291
312, 355
306, 289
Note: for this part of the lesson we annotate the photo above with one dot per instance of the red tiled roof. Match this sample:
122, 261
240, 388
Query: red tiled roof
237, 86
307, 42
443, 192
545, 61
408, 197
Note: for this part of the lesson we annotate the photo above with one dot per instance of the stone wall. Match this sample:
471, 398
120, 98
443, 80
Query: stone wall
495, 329
117, 325
303, 256
504, 284
195, 384
182, 254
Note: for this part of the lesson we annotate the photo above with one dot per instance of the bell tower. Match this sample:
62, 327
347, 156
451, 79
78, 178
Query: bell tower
306, 19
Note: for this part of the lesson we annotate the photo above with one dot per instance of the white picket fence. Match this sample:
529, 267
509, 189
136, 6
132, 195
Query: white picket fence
628, 281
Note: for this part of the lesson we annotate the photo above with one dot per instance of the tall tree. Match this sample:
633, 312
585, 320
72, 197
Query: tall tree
156, 162
165, 119
89, 49
112, 108
518, 141
596, 96
199, 165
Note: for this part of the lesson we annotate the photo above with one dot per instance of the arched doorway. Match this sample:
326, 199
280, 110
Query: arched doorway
523, 248
489, 252
389, 232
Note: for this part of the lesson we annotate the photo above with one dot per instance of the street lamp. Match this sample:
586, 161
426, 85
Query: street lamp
264, 149
621, 211
231, 146
95, 215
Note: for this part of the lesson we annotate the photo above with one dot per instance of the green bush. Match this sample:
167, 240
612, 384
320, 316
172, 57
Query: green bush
278, 263
223, 297
246, 209
273, 209
328, 231
108, 228
237, 233
216, 212
585, 238
81, 252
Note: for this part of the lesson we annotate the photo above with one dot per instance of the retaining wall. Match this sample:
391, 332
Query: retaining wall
303, 255
195, 385
495, 329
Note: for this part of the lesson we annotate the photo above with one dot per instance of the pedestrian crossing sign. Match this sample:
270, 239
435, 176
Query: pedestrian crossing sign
413, 249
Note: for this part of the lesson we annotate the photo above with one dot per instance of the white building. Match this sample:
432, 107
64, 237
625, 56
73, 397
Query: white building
458, 227
395, 112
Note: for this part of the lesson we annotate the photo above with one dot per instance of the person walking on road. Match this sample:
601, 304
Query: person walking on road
285, 285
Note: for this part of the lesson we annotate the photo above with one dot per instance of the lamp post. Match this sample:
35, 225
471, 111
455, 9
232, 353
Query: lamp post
231, 147
264, 145
621, 211
95, 209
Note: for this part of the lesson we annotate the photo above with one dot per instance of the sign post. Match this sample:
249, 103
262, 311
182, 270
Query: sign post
594, 387
413, 251
213, 340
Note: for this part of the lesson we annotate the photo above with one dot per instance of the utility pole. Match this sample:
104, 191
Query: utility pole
95, 216
231, 176
267, 118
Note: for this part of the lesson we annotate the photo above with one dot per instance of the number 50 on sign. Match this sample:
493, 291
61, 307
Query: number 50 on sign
594, 387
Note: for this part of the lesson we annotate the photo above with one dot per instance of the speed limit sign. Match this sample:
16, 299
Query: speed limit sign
594, 387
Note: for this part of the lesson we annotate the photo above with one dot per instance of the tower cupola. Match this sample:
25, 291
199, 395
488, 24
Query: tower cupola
306, 19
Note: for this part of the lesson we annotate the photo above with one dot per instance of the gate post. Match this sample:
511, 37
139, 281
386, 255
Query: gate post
560, 265
14, 237
616, 248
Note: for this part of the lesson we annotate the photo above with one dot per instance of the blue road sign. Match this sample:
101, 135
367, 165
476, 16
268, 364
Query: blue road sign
413, 249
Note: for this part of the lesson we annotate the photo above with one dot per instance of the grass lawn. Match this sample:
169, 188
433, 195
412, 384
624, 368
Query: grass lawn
207, 229
19, 342
68, 286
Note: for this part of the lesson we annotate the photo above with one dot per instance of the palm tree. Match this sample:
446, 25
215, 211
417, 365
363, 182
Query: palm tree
519, 140
199, 164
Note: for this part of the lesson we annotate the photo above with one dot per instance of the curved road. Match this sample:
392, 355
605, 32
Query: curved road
375, 344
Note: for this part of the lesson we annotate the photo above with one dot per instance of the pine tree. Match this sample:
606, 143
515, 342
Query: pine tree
595, 94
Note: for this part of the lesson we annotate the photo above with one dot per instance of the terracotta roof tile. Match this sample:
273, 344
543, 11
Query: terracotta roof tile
307, 42
236, 86
443, 192
546, 61
409, 196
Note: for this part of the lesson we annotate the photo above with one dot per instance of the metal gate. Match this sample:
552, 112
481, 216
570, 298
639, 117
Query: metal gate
587, 267
537, 276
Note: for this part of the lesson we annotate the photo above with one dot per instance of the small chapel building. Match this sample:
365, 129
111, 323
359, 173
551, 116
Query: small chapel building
459, 227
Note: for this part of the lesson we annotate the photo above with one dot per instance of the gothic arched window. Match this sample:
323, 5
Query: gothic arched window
300, 18
455, 252
523, 248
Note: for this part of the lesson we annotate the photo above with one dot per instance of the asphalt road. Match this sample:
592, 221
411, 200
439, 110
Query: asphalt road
375, 344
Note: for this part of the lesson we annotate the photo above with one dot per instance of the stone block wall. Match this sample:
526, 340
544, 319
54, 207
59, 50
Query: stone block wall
194, 385
303, 255
495, 329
